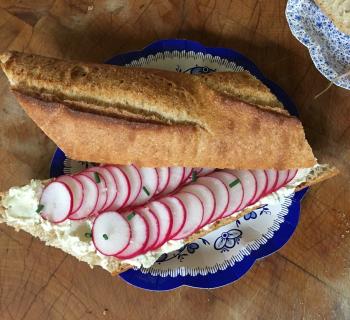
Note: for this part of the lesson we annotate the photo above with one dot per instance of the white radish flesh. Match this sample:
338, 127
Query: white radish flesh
76, 188
178, 214
56, 202
282, 177
134, 178
153, 225
291, 175
90, 198
272, 176
194, 214
207, 198
110, 233
139, 236
123, 188
176, 176
205, 172
261, 184
220, 192
163, 178
102, 189
187, 175
234, 188
164, 217
149, 178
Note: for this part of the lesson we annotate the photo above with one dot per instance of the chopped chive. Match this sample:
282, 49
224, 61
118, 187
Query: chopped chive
97, 177
194, 176
88, 234
131, 215
146, 191
40, 207
105, 236
234, 182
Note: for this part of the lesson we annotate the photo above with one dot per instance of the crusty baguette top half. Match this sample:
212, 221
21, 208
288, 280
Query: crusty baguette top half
112, 114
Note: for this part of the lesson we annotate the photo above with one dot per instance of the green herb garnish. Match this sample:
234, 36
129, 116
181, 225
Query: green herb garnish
146, 191
234, 182
194, 176
105, 236
88, 234
131, 215
40, 207
97, 177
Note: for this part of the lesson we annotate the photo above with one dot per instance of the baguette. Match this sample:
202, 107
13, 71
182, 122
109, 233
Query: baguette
155, 118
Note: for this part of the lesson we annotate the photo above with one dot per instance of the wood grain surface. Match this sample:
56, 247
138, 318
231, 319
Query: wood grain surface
308, 279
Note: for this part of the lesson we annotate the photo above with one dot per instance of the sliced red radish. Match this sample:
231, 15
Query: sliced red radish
162, 212
176, 176
123, 188
261, 184
149, 178
234, 188
207, 198
163, 178
102, 189
187, 175
134, 178
220, 192
291, 175
194, 214
110, 183
282, 177
153, 225
139, 236
178, 213
90, 198
249, 185
76, 188
205, 172
272, 176
110, 233
56, 202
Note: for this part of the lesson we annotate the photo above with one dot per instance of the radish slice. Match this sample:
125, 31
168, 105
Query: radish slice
162, 212
220, 192
139, 236
76, 188
282, 177
261, 183
123, 188
110, 233
149, 178
194, 216
57, 202
176, 176
102, 189
153, 225
90, 198
206, 196
110, 183
178, 213
234, 188
205, 172
272, 176
249, 185
291, 175
187, 175
134, 178
163, 178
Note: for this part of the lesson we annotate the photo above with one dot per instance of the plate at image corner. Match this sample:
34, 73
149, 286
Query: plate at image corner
226, 254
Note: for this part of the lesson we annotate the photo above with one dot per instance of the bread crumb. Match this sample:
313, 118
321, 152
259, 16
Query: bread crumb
105, 312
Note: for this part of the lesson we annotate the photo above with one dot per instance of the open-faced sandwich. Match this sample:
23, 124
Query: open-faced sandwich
181, 155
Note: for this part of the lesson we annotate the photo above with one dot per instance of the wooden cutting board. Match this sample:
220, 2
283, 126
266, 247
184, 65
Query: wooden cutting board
308, 279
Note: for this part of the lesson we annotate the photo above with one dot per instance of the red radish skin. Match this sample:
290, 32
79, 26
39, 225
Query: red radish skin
134, 178
187, 175
57, 202
149, 178
139, 236
123, 188
76, 188
176, 176
220, 192
261, 180
110, 233
163, 178
110, 182
282, 177
90, 198
235, 191
291, 175
207, 198
178, 213
205, 172
194, 216
153, 225
272, 177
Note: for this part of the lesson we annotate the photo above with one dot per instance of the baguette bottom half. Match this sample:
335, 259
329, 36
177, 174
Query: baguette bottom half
80, 248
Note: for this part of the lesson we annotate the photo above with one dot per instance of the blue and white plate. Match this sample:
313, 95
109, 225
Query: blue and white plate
329, 48
226, 254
